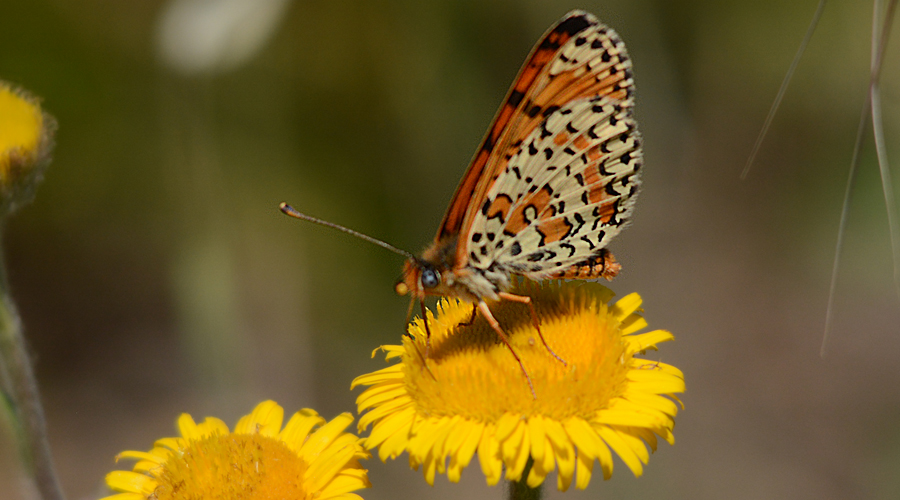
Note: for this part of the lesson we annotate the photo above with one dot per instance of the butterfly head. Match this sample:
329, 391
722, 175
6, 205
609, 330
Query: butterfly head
419, 278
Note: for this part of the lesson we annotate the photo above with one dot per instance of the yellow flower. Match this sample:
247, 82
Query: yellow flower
26, 139
473, 396
259, 460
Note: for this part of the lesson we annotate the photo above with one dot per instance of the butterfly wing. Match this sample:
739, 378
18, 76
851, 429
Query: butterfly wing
564, 195
511, 118
560, 174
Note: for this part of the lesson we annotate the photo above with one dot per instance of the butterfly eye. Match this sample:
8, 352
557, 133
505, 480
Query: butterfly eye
430, 278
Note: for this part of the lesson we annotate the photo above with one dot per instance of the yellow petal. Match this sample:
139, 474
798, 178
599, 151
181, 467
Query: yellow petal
131, 482
140, 455
584, 469
511, 445
390, 425
515, 469
626, 305
565, 456
390, 373
584, 437
537, 474
637, 343
173, 444
615, 442
212, 426
298, 428
378, 395
265, 419
538, 438
347, 481
394, 445
324, 435
507, 424
322, 471
188, 428
633, 323
489, 457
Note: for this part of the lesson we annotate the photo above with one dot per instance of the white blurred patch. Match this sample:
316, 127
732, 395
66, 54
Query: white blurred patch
212, 36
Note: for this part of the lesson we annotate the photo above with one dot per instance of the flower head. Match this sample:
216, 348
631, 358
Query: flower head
259, 460
472, 396
26, 139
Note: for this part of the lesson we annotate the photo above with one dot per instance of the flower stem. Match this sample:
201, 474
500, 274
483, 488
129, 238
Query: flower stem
519, 490
29, 413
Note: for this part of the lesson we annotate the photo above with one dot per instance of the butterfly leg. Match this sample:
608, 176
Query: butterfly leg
427, 329
427, 341
472, 319
486, 312
524, 299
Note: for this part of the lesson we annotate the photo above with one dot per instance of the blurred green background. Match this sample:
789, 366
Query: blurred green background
156, 275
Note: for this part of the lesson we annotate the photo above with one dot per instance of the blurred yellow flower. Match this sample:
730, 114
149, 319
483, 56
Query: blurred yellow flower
473, 396
26, 139
307, 459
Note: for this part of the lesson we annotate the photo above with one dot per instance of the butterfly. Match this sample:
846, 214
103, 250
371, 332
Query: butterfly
553, 182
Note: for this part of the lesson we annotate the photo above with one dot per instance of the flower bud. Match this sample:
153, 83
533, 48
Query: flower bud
26, 141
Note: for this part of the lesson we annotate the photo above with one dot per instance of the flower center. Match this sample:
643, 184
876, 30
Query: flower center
232, 466
472, 373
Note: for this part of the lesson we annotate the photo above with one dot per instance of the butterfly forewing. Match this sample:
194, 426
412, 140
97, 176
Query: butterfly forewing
510, 117
560, 178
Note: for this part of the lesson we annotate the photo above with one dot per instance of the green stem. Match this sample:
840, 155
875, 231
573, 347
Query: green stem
519, 490
29, 413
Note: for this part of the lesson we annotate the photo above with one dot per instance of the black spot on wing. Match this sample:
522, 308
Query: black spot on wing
550, 110
580, 220
544, 132
543, 237
573, 25
515, 98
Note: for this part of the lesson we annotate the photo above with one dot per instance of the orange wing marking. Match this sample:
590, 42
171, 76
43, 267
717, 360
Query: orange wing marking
602, 265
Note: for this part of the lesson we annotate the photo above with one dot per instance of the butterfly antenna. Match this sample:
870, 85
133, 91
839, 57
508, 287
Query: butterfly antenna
289, 210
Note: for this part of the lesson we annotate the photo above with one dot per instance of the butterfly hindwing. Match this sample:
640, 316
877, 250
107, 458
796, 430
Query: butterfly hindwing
551, 210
